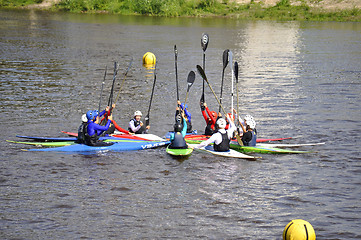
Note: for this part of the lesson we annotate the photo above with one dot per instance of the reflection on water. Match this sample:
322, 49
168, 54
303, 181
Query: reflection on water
297, 79
269, 51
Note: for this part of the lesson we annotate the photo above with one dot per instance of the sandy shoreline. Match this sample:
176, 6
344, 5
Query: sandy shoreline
330, 5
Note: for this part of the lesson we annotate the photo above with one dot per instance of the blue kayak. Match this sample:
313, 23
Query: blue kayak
117, 146
62, 139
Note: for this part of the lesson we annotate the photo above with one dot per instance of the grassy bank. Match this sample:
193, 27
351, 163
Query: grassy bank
283, 10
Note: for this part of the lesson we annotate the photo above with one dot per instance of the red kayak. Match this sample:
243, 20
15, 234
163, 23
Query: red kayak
205, 137
145, 137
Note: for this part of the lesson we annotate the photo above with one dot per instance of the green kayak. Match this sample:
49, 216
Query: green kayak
260, 149
179, 152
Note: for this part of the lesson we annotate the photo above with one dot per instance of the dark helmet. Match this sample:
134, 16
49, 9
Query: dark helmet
178, 127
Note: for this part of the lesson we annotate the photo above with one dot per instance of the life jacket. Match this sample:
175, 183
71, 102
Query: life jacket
178, 142
91, 140
136, 124
249, 139
224, 145
209, 129
189, 127
81, 132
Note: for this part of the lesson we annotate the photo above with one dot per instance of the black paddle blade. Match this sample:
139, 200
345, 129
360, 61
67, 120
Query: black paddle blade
225, 58
190, 79
236, 71
204, 41
201, 72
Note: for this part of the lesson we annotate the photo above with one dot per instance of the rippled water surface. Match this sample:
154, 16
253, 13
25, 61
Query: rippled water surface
300, 80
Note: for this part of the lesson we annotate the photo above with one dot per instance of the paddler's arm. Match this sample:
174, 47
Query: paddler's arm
119, 128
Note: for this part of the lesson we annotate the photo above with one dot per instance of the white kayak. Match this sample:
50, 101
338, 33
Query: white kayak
231, 153
289, 145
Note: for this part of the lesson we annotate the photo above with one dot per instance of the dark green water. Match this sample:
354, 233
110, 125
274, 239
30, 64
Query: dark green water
296, 79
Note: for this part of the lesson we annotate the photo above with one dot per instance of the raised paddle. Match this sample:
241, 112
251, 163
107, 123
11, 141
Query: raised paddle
230, 55
201, 72
236, 75
101, 91
151, 97
176, 69
125, 75
204, 45
225, 63
190, 81
110, 101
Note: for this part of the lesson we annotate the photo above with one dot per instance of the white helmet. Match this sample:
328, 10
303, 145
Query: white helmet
251, 123
138, 113
221, 123
84, 118
248, 118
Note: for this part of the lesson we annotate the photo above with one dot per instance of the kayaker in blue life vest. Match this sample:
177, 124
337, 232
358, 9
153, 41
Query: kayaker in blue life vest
222, 137
94, 130
188, 116
136, 126
249, 134
180, 130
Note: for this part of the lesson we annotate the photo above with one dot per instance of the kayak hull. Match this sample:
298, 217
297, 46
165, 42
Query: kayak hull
231, 153
259, 149
179, 152
205, 137
117, 146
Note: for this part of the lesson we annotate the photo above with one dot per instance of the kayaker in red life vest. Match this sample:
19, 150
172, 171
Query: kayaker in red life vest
210, 119
136, 126
113, 125
94, 130
222, 137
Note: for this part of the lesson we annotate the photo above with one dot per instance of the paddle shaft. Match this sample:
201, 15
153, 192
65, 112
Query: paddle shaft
110, 101
101, 91
201, 72
151, 97
225, 62
121, 86
176, 69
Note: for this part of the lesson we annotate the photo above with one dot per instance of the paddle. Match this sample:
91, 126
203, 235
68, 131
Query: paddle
151, 97
201, 72
230, 55
101, 91
236, 75
110, 101
225, 62
176, 69
125, 75
190, 81
204, 44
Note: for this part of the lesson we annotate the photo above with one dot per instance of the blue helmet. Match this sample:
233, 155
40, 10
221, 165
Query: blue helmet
91, 114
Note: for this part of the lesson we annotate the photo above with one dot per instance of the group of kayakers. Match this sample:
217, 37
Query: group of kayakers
95, 125
221, 130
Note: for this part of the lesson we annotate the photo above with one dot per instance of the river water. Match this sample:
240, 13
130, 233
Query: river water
298, 79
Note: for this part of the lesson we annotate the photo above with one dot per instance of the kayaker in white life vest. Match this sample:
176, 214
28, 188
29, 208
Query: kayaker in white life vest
136, 125
222, 138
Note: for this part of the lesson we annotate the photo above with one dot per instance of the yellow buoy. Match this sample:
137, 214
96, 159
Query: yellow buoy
149, 58
299, 229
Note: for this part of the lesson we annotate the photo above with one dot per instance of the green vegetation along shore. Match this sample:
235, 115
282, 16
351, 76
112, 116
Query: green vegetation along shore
284, 10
